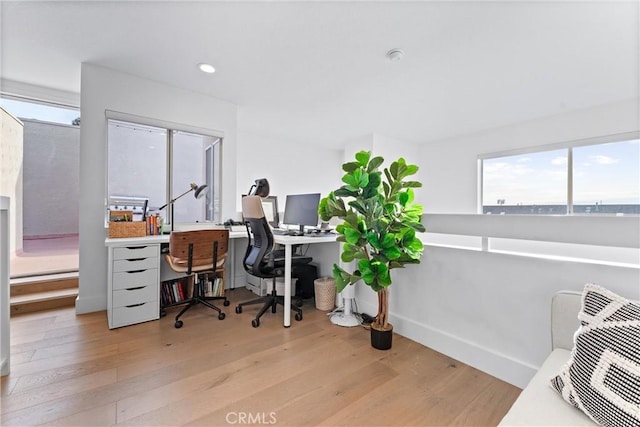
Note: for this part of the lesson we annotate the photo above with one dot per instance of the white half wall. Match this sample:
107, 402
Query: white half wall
487, 309
104, 89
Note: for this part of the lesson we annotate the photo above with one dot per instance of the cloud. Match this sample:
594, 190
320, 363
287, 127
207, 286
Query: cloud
558, 161
604, 160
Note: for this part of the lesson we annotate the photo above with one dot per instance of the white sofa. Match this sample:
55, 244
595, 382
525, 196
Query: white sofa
539, 404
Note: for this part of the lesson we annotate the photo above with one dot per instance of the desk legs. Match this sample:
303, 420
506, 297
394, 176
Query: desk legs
287, 286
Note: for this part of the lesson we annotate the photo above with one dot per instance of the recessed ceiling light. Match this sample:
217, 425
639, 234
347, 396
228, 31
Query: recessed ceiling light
395, 54
206, 68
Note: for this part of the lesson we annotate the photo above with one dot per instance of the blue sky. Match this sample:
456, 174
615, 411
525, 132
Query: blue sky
603, 173
47, 113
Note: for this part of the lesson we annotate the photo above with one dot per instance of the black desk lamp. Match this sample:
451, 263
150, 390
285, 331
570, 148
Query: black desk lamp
199, 192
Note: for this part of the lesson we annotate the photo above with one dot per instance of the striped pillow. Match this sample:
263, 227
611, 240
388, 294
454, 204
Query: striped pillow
602, 378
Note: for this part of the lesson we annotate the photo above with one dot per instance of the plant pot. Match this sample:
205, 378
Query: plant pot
381, 338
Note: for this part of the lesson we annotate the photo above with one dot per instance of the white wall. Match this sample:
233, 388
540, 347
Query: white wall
51, 173
486, 309
290, 167
104, 89
12, 173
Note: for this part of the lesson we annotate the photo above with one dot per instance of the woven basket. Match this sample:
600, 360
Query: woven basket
325, 290
127, 229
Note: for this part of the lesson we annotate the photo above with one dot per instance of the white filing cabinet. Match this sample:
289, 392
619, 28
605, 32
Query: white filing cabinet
134, 283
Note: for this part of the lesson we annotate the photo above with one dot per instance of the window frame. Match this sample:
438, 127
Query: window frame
169, 127
569, 146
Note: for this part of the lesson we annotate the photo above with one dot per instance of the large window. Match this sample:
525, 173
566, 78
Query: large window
580, 178
158, 164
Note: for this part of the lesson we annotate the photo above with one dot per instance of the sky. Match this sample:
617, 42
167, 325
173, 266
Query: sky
27, 110
603, 173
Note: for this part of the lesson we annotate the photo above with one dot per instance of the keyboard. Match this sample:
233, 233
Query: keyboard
279, 231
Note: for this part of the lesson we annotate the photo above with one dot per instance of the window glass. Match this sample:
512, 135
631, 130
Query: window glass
606, 178
36, 111
143, 160
189, 167
137, 162
533, 183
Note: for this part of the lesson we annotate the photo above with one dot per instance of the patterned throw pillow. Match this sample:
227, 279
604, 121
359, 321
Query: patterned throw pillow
602, 378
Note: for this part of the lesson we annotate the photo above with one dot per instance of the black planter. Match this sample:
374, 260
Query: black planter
381, 340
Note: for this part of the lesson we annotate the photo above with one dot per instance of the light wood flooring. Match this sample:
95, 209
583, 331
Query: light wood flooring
70, 370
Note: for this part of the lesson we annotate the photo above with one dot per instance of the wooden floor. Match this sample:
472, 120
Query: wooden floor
70, 370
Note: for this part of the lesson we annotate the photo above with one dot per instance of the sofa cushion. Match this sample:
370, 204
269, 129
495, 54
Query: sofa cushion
602, 377
540, 405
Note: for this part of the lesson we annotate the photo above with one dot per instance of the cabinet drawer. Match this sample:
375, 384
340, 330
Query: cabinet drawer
130, 252
134, 279
135, 264
123, 316
137, 295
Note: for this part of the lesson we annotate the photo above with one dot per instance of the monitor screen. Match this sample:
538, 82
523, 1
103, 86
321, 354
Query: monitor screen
301, 210
270, 208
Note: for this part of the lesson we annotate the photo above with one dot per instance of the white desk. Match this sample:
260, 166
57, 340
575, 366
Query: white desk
288, 242
134, 265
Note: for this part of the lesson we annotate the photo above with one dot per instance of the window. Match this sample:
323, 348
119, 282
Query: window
606, 178
159, 164
579, 178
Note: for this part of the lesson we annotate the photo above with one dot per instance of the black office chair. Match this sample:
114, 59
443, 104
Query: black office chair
259, 260
202, 252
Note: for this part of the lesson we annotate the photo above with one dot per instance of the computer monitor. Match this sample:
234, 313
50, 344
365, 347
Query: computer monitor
301, 210
270, 208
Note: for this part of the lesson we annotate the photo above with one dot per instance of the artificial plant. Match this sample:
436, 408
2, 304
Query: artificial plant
380, 221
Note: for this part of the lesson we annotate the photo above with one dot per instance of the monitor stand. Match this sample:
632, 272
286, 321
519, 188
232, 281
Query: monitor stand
297, 233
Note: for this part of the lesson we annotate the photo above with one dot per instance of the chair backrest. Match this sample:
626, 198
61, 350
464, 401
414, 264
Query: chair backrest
260, 237
207, 246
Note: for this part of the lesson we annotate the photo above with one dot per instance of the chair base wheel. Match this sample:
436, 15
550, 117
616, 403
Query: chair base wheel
226, 303
255, 323
238, 309
178, 324
298, 316
221, 316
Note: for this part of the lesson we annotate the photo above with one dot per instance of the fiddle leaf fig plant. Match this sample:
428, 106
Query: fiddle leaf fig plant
380, 221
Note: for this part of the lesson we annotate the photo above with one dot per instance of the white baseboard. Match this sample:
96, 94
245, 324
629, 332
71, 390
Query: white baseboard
499, 365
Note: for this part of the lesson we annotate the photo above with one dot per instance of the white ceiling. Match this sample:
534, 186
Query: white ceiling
316, 72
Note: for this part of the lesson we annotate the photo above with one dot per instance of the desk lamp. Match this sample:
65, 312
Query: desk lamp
199, 192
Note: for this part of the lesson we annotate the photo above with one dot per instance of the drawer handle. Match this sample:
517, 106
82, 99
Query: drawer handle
134, 271
135, 289
135, 305
136, 247
135, 259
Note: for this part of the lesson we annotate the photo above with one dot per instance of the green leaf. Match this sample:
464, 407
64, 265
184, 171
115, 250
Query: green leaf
388, 240
372, 238
403, 198
352, 235
392, 253
410, 170
412, 184
345, 191
375, 178
350, 167
355, 204
363, 157
374, 163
